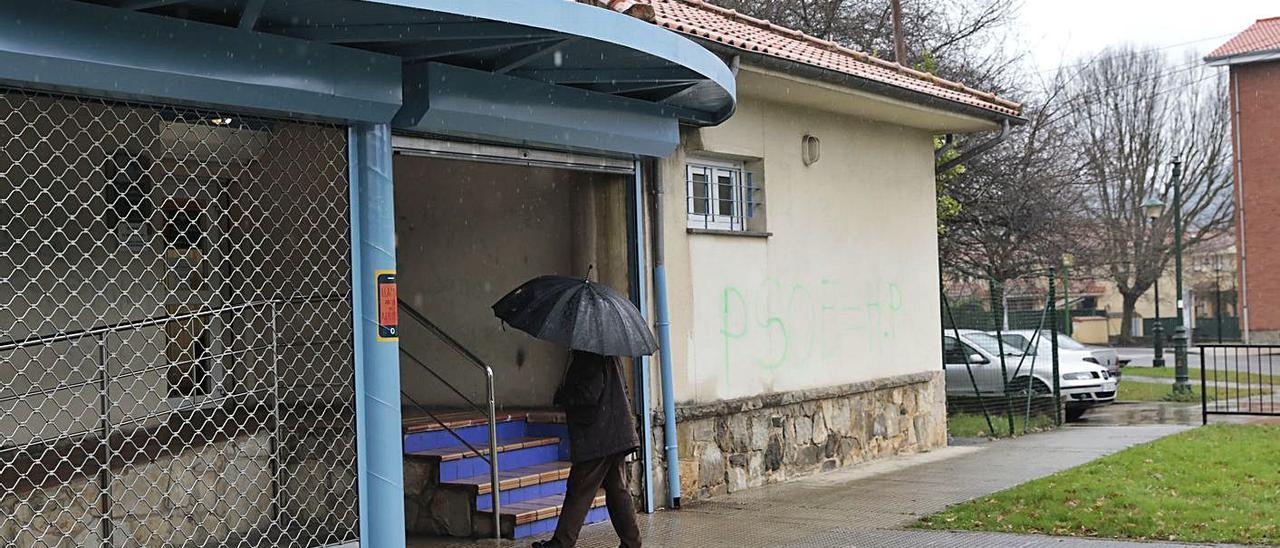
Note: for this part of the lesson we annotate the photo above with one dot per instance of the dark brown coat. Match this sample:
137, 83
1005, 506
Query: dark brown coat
596, 408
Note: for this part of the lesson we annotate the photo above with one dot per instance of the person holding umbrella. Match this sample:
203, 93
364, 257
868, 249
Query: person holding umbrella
597, 324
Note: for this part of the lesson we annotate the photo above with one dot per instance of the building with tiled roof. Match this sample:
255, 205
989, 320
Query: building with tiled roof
1260, 42
743, 33
799, 242
737, 34
1253, 59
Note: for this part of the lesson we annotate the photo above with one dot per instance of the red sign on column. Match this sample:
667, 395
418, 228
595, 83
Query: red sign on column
388, 306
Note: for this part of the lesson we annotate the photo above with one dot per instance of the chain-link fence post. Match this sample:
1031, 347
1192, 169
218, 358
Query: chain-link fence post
1053, 342
996, 291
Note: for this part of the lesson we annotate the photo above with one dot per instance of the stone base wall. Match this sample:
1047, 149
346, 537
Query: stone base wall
214, 494
205, 494
738, 444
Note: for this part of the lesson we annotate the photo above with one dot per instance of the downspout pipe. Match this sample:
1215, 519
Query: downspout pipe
1242, 264
662, 317
976, 151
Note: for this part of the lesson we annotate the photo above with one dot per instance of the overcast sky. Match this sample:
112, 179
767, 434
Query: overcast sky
1065, 31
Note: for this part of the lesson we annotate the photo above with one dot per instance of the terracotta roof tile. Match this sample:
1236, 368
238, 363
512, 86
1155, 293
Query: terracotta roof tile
710, 22
1262, 36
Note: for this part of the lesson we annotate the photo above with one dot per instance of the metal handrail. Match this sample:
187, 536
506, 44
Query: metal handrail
422, 365
492, 414
131, 373
131, 325
451, 431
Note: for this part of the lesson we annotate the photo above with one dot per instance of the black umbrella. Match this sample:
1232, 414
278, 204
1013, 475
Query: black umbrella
579, 314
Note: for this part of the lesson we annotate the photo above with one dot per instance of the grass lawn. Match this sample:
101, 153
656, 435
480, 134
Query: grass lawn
1146, 391
965, 425
1218, 483
1222, 376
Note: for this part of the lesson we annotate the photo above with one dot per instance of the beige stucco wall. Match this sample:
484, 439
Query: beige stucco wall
845, 288
467, 233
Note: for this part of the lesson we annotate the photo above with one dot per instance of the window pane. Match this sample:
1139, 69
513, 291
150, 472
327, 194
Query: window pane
724, 182
701, 194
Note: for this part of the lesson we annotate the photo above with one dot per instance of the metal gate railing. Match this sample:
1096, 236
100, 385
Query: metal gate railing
175, 297
1239, 380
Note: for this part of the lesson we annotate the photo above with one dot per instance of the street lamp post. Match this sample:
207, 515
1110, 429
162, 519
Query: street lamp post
1182, 377
1217, 293
1153, 208
1067, 261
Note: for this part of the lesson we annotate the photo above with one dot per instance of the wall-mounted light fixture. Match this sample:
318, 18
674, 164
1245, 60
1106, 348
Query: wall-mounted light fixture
810, 149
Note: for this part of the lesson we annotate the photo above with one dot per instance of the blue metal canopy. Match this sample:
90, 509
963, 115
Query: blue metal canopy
552, 42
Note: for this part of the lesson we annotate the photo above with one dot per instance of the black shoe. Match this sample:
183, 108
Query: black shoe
549, 543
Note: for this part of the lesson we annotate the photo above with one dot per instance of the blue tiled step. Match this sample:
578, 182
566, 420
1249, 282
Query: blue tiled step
457, 462
477, 435
422, 432
518, 485
534, 517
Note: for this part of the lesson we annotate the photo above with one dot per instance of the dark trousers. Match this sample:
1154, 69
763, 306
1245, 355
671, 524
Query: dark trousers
585, 479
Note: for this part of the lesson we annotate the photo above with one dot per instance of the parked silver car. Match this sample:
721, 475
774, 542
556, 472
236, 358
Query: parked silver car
1067, 346
974, 359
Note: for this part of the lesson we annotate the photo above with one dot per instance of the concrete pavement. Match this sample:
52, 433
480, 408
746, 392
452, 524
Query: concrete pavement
870, 505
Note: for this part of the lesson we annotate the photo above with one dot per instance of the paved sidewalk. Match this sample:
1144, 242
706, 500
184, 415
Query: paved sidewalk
869, 505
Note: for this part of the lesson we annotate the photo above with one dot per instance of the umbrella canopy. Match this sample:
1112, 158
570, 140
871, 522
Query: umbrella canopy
579, 314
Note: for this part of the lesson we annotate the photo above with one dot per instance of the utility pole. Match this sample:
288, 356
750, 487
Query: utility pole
1182, 378
899, 42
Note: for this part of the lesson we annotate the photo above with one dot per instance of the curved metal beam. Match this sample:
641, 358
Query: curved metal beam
597, 24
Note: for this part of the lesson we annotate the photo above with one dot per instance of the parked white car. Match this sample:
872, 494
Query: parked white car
1067, 347
1082, 384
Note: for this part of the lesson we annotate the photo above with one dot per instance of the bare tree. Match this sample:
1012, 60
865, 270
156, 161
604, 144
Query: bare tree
1132, 113
1019, 204
962, 39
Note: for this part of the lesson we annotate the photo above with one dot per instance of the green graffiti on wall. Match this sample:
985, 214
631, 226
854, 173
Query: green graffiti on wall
786, 325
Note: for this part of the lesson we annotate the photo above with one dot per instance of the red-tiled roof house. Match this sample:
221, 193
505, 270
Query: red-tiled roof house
801, 255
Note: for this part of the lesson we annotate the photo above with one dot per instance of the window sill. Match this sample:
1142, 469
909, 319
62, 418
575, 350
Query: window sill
722, 232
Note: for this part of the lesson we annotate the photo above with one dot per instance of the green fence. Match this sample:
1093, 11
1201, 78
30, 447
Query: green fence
1224, 329
1000, 378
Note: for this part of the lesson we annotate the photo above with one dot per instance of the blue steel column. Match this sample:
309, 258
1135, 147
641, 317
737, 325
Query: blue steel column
377, 366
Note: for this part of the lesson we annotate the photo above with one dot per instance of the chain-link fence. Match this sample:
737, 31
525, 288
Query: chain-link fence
1000, 356
175, 328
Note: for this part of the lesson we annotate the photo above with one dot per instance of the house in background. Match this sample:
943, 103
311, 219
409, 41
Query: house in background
1209, 278
1253, 58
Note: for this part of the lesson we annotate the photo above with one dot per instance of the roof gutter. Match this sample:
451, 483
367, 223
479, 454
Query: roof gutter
1244, 58
976, 151
857, 82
